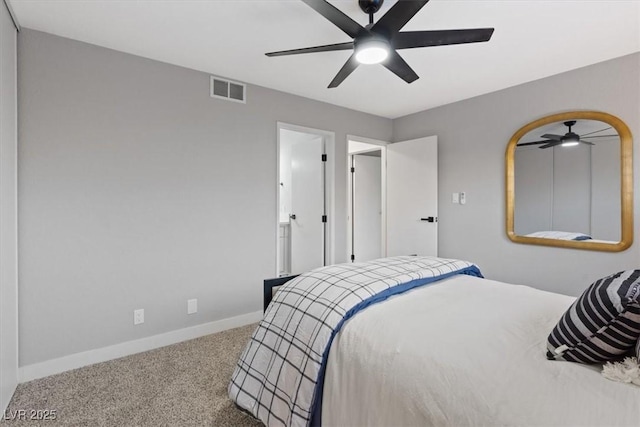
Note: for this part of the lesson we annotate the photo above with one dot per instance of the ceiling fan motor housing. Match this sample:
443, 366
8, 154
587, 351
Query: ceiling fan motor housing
370, 6
571, 137
367, 38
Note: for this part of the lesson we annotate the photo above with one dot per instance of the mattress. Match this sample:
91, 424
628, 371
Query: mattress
278, 378
465, 351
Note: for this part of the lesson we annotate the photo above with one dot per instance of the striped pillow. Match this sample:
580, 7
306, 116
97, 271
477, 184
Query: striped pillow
602, 325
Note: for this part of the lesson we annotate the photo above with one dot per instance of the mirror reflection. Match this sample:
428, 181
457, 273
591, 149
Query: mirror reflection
567, 182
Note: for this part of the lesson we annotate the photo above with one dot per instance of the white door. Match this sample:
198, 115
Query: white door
412, 197
367, 205
307, 205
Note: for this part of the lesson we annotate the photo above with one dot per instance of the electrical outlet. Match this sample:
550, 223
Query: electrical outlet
463, 198
138, 316
192, 306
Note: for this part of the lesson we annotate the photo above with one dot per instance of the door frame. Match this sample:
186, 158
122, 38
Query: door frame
382, 146
329, 139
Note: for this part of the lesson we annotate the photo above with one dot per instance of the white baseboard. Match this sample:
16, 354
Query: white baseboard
78, 360
5, 398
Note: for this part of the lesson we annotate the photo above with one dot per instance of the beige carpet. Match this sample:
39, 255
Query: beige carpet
180, 385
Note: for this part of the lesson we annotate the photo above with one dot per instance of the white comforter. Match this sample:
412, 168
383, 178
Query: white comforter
465, 351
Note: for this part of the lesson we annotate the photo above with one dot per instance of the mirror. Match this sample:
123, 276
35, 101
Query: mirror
570, 182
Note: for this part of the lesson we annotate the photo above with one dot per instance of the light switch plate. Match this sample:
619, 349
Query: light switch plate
463, 198
192, 306
455, 198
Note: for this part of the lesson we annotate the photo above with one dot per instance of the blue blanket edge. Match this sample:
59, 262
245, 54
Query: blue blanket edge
316, 405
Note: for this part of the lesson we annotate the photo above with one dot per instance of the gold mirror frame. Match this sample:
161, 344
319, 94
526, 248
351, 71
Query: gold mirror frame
626, 183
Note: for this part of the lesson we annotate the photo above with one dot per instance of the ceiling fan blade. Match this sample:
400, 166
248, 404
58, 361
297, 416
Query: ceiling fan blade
336, 16
400, 68
600, 136
412, 39
325, 48
396, 17
551, 144
524, 144
587, 142
552, 137
596, 131
344, 72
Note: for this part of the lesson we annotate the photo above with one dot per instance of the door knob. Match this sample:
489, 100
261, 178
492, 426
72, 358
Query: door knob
292, 216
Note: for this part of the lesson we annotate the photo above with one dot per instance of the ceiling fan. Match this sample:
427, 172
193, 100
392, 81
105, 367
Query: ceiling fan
377, 43
569, 139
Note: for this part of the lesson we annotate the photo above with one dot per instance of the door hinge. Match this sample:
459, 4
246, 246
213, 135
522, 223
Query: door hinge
353, 170
324, 218
324, 157
353, 257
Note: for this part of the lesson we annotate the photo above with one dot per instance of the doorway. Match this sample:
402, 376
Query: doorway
366, 230
305, 199
392, 203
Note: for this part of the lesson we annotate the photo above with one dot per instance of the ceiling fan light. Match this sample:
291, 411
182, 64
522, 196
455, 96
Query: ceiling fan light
372, 51
570, 139
570, 143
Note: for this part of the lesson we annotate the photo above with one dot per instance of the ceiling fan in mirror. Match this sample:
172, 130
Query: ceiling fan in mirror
378, 42
569, 139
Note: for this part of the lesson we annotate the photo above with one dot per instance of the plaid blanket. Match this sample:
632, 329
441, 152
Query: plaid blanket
280, 374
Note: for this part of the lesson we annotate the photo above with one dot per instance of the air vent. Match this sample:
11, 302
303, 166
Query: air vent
226, 89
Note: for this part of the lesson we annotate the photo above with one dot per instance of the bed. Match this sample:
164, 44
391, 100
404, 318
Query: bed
425, 356
560, 235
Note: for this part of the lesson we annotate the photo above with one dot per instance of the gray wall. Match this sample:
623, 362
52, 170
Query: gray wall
8, 205
534, 190
572, 190
138, 190
473, 135
605, 190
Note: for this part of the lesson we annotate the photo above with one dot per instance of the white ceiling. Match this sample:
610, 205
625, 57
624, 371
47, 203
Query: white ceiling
532, 40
